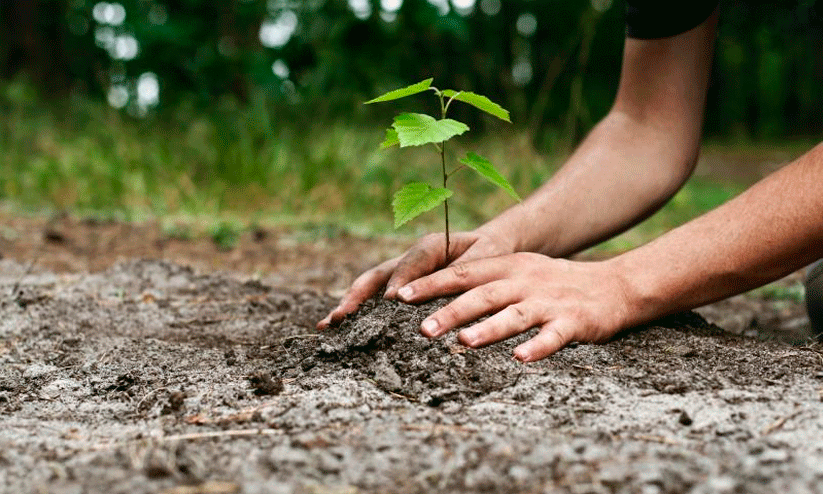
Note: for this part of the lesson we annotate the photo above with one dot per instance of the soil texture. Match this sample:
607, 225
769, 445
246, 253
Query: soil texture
149, 376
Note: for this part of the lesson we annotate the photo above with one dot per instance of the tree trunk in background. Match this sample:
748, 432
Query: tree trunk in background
33, 33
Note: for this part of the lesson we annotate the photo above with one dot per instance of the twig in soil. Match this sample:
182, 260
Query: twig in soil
584, 367
192, 437
817, 352
777, 424
436, 429
655, 439
517, 378
200, 321
398, 395
296, 336
244, 415
210, 487
14, 289
149, 394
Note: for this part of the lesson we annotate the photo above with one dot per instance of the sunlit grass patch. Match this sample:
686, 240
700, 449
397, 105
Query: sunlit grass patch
247, 166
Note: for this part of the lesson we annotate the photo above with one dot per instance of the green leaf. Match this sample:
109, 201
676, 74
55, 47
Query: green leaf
416, 198
416, 129
402, 92
484, 167
391, 139
479, 102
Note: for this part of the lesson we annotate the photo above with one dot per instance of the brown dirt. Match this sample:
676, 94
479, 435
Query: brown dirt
205, 375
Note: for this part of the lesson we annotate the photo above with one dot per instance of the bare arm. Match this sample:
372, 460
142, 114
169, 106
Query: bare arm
765, 233
629, 165
633, 161
769, 231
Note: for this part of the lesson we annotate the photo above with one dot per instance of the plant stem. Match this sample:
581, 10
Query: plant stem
444, 108
446, 202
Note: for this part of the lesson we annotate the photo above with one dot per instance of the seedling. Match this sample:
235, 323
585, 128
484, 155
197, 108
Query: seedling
418, 129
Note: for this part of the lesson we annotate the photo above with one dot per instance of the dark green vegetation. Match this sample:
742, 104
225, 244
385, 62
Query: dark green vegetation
251, 110
555, 65
107, 166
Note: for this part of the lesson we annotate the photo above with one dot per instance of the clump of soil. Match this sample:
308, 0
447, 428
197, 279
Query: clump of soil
382, 343
153, 378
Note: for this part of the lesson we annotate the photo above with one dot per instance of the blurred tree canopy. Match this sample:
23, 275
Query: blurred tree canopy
554, 63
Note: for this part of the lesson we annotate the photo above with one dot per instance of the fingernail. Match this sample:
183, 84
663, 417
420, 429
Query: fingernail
521, 355
406, 292
429, 327
467, 337
387, 293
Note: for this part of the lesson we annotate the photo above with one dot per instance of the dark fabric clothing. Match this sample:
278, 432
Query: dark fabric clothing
652, 19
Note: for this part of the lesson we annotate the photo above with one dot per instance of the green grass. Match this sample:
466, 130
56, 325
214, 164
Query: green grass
235, 168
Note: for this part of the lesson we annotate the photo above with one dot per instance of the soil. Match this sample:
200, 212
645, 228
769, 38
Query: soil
205, 375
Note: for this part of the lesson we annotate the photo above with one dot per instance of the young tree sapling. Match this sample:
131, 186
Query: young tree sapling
417, 129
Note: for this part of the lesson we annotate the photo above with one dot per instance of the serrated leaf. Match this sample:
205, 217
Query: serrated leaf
416, 198
484, 167
402, 92
390, 140
417, 129
480, 102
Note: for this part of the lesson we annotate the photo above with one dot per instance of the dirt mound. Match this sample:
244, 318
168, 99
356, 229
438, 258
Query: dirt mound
382, 343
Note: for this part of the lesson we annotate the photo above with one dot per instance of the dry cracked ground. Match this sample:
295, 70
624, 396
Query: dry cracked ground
149, 376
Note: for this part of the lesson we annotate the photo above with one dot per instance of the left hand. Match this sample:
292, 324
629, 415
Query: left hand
569, 301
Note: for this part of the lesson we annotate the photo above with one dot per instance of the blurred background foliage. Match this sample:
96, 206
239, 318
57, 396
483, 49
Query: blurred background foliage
162, 106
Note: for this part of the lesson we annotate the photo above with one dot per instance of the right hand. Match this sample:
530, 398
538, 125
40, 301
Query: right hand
424, 258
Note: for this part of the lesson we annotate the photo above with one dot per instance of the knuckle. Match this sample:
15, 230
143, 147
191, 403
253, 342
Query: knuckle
448, 314
359, 284
488, 295
525, 257
428, 242
460, 270
520, 315
562, 334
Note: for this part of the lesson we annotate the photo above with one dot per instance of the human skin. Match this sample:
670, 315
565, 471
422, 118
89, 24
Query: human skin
634, 160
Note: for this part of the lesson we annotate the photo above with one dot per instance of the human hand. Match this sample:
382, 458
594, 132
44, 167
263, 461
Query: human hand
425, 257
569, 301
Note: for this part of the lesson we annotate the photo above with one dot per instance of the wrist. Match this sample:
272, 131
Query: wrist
642, 301
520, 231
503, 233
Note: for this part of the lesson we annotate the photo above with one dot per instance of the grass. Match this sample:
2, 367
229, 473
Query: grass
240, 168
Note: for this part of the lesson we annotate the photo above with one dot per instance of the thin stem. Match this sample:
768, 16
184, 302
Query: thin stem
456, 170
449, 103
446, 202
444, 108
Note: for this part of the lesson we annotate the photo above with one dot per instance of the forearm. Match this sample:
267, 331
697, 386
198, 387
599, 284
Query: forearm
621, 173
767, 232
633, 161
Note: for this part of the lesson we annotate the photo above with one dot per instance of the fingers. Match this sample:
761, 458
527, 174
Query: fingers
366, 285
468, 307
509, 322
551, 338
458, 277
423, 258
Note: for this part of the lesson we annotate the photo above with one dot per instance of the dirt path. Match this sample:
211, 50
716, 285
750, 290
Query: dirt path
148, 377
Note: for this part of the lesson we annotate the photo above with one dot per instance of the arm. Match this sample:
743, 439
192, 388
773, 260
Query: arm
769, 231
633, 161
765, 233
628, 166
